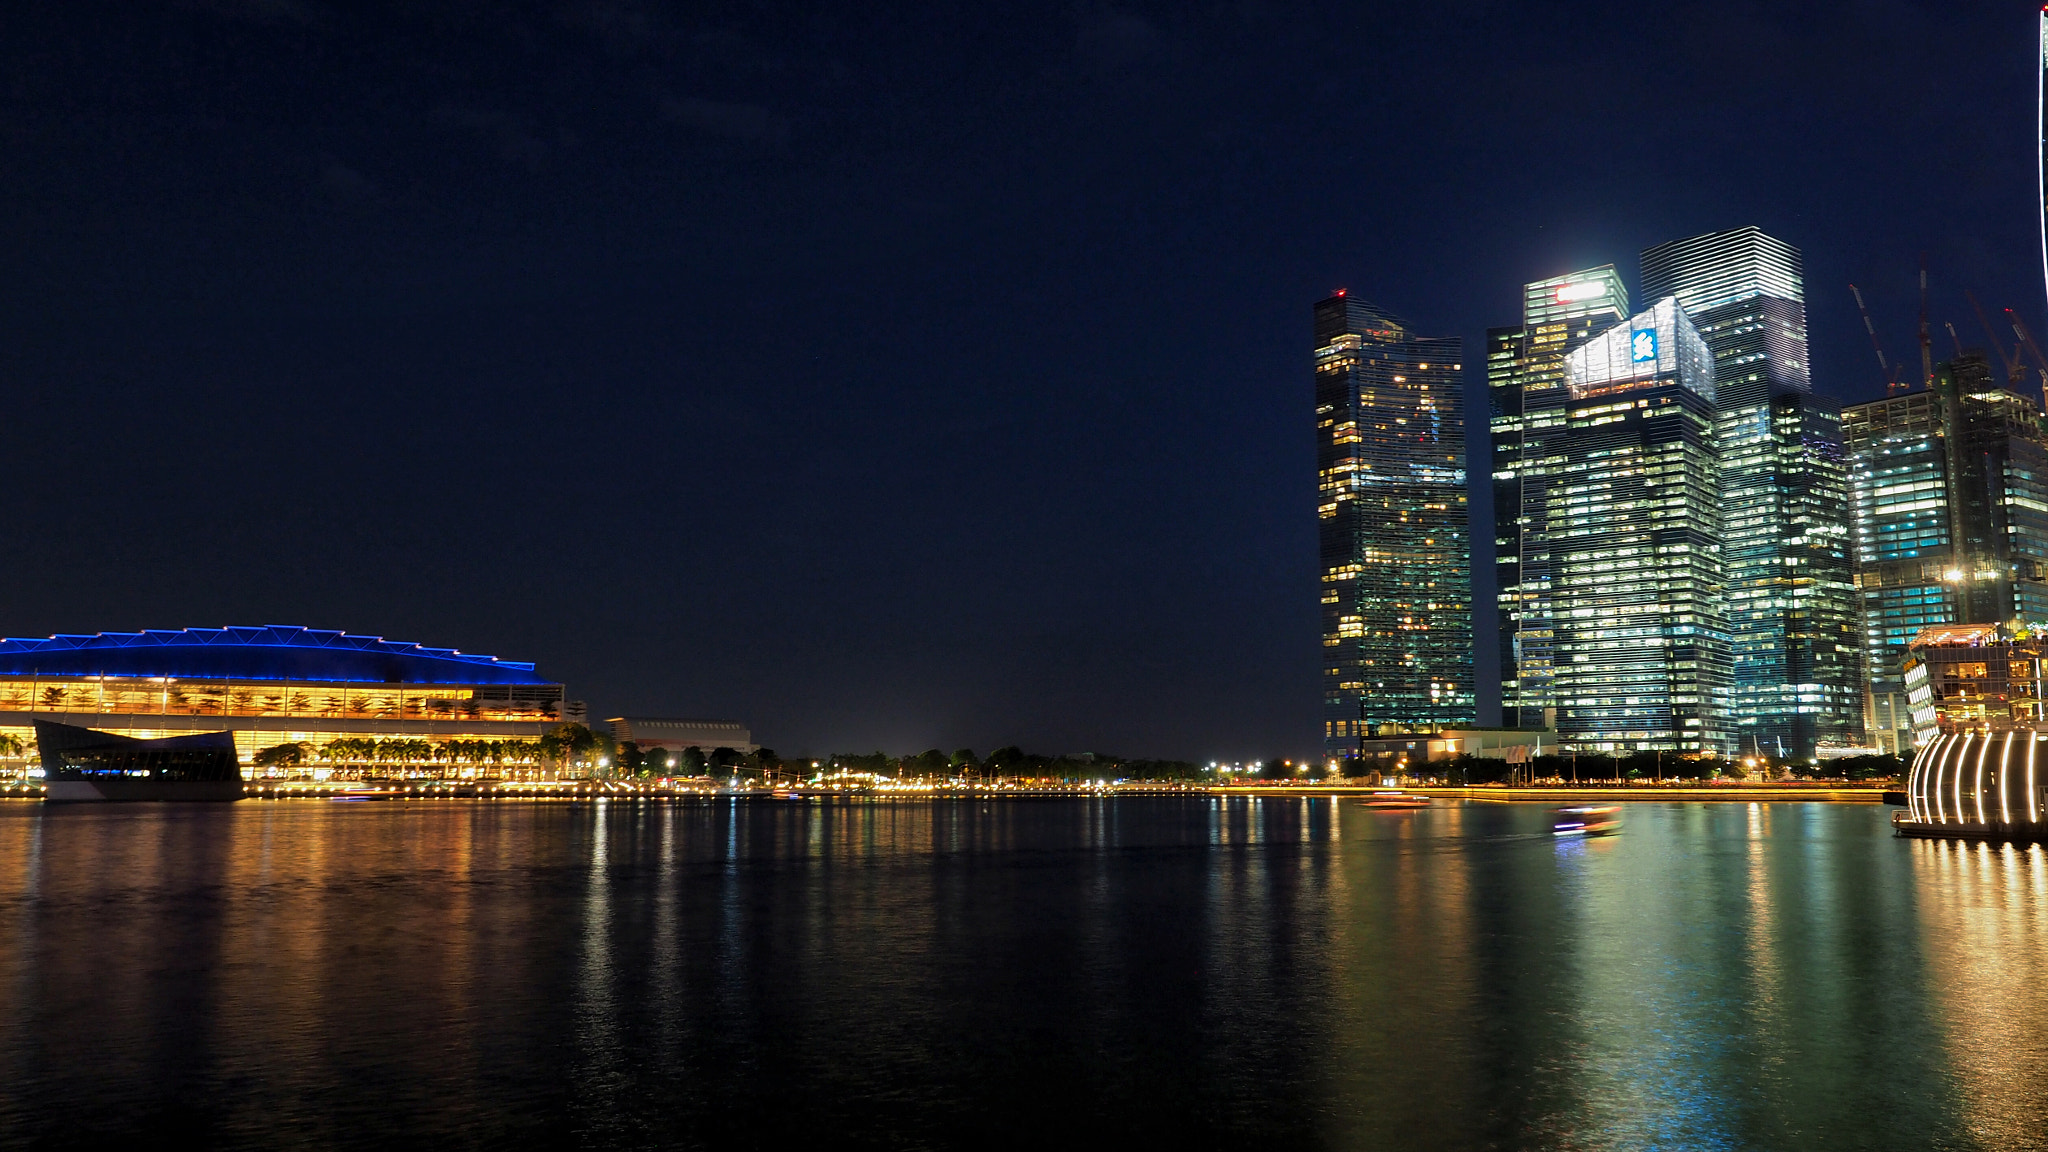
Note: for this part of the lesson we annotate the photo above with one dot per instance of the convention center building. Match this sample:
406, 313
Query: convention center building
298, 701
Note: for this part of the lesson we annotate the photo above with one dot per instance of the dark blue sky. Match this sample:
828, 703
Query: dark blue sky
898, 377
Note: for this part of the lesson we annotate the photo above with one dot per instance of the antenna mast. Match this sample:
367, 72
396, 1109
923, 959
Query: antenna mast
1926, 341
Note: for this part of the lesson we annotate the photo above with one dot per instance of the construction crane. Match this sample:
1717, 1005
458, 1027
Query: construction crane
1953, 338
2015, 371
2027, 341
1891, 374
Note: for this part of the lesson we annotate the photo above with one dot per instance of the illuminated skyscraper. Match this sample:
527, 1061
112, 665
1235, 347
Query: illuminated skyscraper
1966, 461
1395, 543
1790, 601
1526, 387
1630, 521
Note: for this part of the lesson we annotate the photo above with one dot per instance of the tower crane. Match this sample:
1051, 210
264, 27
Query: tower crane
2019, 329
1891, 374
2015, 371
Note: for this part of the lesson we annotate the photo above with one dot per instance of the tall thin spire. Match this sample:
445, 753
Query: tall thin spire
2041, 151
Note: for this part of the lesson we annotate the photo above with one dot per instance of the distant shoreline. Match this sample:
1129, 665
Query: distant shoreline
593, 790
1747, 793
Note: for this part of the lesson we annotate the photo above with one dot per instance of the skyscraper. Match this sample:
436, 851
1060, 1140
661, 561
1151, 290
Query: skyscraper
1395, 542
1949, 487
1790, 600
1527, 393
1630, 521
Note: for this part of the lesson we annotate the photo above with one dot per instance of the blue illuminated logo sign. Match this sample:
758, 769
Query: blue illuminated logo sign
1642, 346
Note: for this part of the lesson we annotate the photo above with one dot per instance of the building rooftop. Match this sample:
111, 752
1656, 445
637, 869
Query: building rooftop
270, 652
1952, 634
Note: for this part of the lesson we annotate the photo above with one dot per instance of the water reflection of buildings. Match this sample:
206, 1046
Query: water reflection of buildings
1984, 920
1214, 969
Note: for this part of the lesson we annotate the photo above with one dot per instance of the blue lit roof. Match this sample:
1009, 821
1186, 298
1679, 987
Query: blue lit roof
272, 652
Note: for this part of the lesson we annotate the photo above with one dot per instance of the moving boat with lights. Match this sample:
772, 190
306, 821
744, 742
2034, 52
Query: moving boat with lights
1601, 821
1396, 801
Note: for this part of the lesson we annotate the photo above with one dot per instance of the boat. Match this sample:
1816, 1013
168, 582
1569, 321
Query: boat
1601, 821
85, 764
1395, 801
365, 794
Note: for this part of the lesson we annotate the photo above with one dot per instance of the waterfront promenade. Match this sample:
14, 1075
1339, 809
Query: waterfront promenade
1737, 791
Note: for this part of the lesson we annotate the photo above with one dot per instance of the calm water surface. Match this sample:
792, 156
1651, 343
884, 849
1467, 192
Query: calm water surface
1021, 974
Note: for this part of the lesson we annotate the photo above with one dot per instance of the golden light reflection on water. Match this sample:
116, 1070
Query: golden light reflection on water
1257, 971
1985, 910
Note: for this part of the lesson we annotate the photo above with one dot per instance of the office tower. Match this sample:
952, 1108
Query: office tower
1630, 521
1790, 601
1526, 389
1396, 556
1965, 461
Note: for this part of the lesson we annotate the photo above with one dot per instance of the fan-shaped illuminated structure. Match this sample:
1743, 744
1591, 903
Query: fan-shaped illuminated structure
1987, 785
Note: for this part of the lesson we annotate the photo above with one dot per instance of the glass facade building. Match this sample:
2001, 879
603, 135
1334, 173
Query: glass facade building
1791, 600
1949, 492
1527, 398
1396, 586
1630, 524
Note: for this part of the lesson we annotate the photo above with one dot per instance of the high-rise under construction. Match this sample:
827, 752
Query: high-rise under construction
1949, 487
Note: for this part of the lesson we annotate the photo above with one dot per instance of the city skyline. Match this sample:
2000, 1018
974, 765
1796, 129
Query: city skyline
1340, 576
894, 379
1809, 556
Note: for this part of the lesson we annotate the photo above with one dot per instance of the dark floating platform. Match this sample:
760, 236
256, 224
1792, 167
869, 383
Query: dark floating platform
2017, 832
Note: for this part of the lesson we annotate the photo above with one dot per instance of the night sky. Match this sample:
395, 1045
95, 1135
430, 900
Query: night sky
885, 376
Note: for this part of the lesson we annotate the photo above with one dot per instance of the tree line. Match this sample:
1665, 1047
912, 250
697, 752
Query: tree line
565, 745
1009, 762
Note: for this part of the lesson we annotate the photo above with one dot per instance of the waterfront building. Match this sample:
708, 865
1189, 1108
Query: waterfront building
1949, 492
275, 686
1790, 599
654, 733
1975, 691
1405, 753
1396, 586
1630, 522
1527, 398
1975, 678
